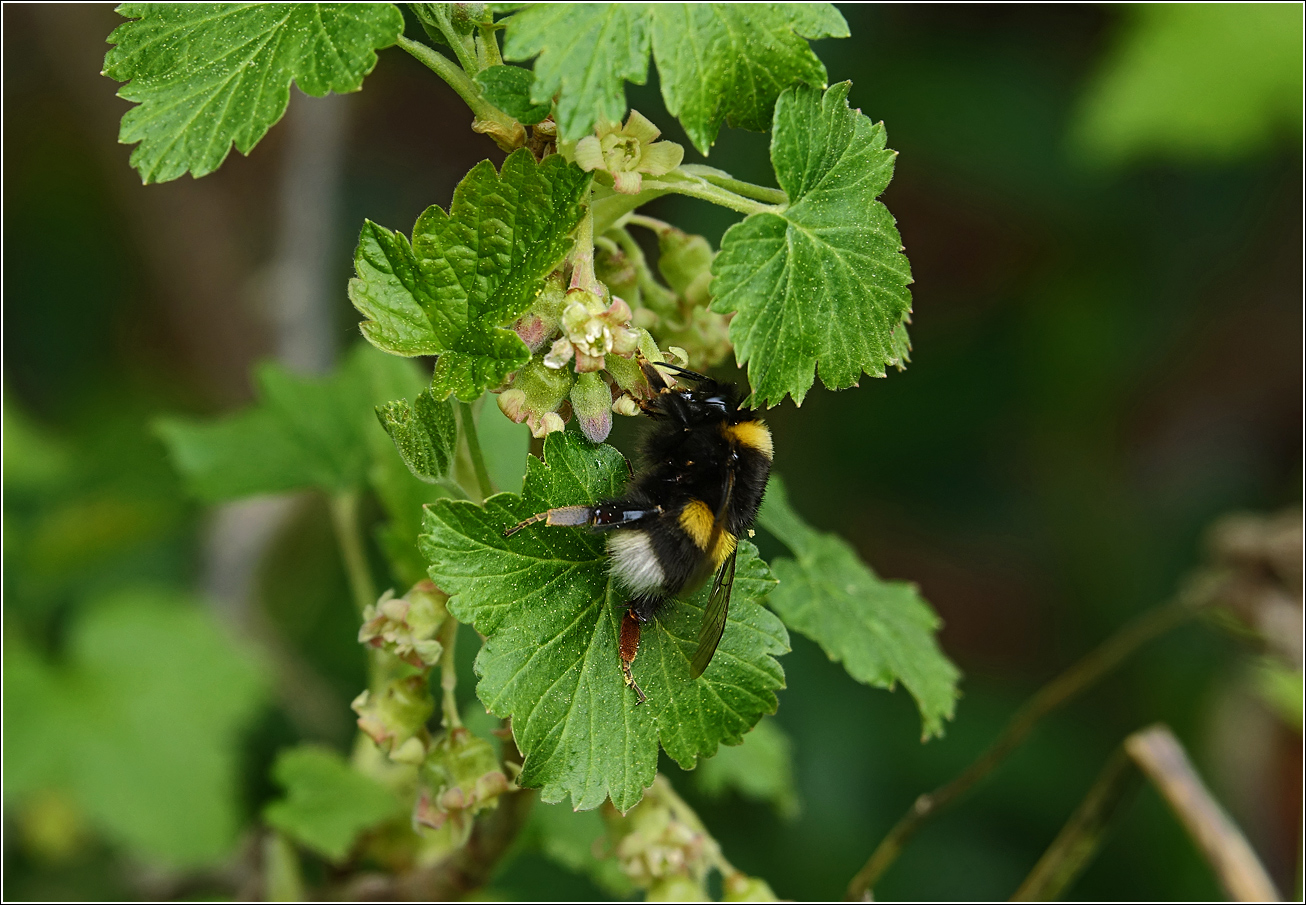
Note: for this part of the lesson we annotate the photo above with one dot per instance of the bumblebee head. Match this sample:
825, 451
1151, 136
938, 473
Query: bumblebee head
707, 401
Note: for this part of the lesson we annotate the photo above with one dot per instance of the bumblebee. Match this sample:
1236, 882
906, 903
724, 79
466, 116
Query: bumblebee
706, 463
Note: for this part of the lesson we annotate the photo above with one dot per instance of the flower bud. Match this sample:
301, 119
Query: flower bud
397, 713
625, 405
739, 887
513, 404
685, 262
618, 272
591, 400
678, 888
550, 423
533, 330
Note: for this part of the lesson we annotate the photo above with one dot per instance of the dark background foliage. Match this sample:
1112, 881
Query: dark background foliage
1107, 356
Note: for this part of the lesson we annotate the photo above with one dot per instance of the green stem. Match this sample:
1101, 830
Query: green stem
438, 13
506, 131
661, 297
344, 517
726, 181
449, 717
696, 187
1059, 691
661, 227
488, 48
468, 420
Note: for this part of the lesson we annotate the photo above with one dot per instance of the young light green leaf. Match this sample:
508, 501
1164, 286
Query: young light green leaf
304, 432
141, 725
761, 768
716, 61
823, 280
729, 62
881, 631
467, 275
551, 616
328, 803
509, 89
209, 75
586, 51
425, 434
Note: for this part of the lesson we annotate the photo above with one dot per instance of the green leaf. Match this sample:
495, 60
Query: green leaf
328, 803
207, 75
551, 616
822, 280
304, 432
425, 434
881, 631
717, 62
467, 275
1195, 81
142, 726
761, 768
509, 89
730, 61
586, 51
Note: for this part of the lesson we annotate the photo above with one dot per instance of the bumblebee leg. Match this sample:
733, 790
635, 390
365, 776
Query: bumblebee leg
654, 377
570, 516
628, 647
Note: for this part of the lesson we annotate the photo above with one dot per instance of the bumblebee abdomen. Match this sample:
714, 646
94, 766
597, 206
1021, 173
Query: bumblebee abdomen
635, 563
702, 528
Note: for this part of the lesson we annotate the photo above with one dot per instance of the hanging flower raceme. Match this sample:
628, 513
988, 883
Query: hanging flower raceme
628, 153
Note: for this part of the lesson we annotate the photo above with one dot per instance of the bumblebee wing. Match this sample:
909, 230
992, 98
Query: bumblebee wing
714, 617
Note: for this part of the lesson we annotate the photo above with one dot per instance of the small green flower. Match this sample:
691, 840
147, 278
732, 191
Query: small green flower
590, 331
628, 151
396, 714
406, 626
460, 778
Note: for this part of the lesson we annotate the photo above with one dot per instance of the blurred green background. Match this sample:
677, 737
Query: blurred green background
1103, 211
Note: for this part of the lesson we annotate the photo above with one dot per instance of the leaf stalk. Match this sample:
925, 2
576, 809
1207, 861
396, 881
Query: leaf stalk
700, 188
484, 486
506, 131
738, 186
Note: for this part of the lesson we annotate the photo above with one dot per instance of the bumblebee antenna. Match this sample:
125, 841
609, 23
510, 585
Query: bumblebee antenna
677, 369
